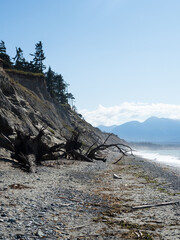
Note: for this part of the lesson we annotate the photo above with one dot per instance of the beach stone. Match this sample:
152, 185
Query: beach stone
55, 218
11, 220
40, 233
3, 215
19, 236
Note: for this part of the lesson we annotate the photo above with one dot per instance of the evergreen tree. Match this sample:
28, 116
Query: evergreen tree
49, 81
57, 87
27, 66
2, 47
38, 58
71, 99
19, 60
4, 56
60, 89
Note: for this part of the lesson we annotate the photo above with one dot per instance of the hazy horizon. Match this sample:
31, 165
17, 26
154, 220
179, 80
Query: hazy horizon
153, 130
126, 112
178, 119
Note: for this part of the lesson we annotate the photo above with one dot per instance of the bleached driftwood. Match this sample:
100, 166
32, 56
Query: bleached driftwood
155, 205
116, 176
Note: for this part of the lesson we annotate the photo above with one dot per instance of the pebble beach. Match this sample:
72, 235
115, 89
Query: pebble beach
79, 200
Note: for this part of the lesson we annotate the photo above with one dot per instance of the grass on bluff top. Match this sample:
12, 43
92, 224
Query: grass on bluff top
20, 72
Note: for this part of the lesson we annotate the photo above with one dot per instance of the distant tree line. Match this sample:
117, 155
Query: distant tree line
56, 85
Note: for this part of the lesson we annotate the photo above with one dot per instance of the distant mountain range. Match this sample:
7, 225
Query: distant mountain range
155, 130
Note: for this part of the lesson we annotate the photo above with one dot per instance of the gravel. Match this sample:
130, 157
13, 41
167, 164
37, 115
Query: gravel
70, 200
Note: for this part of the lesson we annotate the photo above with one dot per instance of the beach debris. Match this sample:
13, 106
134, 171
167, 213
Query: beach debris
116, 176
139, 234
29, 151
155, 205
18, 186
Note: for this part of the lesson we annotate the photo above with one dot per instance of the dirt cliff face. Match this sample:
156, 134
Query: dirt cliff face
32, 82
26, 105
22, 108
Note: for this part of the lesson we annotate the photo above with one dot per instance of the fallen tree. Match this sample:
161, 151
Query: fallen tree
30, 151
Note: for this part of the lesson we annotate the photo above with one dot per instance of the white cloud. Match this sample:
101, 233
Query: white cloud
126, 111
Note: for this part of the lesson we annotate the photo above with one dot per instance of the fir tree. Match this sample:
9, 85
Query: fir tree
19, 60
38, 58
49, 81
71, 99
60, 89
57, 87
4, 56
2, 47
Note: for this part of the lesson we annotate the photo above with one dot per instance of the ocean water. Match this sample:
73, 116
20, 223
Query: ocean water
169, 157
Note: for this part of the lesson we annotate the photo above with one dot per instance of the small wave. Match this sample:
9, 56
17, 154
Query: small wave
167, 159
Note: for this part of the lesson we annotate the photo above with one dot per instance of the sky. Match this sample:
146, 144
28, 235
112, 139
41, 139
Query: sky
121, 58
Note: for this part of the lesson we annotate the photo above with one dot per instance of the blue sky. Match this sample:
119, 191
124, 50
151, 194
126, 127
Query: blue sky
115, 54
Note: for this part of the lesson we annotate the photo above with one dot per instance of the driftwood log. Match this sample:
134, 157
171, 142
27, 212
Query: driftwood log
30, 151
155, 205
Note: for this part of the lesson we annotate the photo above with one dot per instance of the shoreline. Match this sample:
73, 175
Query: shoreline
167, 159
160, 170
79, 200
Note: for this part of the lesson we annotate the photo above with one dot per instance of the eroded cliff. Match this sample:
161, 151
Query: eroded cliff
26, 105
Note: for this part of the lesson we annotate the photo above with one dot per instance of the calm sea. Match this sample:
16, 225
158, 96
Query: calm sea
164, 156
